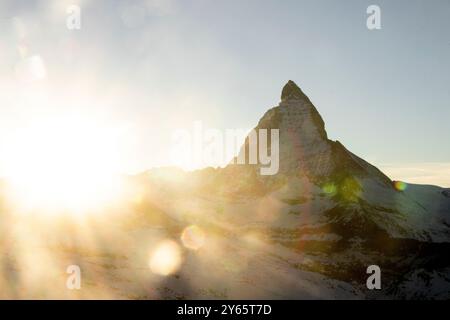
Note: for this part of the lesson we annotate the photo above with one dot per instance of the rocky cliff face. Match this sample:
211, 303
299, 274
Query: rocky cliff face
341, 208
330, 212
343, 187
305, 149
312, 229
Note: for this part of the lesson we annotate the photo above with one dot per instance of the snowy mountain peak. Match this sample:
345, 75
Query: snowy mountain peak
325, 210
304, 147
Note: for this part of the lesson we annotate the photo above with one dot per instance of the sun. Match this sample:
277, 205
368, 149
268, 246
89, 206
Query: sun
65, 163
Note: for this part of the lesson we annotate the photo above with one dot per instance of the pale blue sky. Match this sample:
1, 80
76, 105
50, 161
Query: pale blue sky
384, 94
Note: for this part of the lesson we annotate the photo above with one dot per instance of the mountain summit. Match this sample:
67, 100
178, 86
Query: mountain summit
326, 211
291, 91
304, 145
337, 181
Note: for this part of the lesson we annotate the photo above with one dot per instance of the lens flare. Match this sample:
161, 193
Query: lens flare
193, 237
400, 185
166, 258
330, 189
350, 189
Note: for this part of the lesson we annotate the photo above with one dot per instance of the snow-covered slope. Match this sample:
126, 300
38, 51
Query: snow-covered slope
342, 212
332, 179
310, 231
326, 212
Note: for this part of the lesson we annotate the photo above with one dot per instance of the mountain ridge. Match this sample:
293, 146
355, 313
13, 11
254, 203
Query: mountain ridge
329, 176
326, 213
312, 229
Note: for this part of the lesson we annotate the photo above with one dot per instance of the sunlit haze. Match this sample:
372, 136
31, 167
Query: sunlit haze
153, 66
224, 150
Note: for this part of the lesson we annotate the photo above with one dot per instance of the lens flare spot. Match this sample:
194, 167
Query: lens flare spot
193, 237
166, 258
350, 189
329, 189
400, 185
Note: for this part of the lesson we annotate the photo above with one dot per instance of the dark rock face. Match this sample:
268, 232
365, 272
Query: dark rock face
304, 147
291, 91
339, 210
